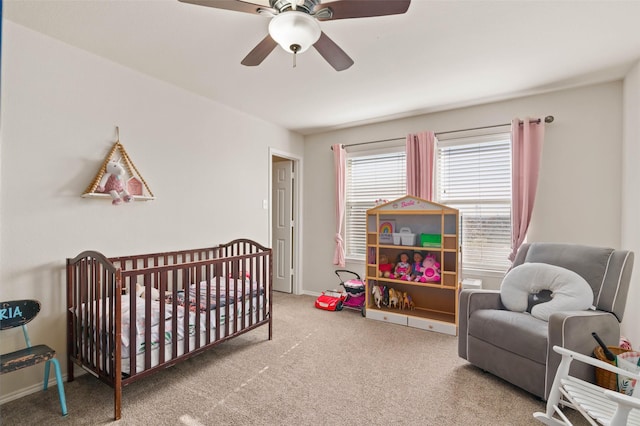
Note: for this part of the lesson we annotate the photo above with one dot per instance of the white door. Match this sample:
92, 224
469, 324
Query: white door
282, 226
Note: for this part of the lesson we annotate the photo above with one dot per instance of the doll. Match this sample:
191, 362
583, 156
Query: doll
402, 270
416, 266
385, 267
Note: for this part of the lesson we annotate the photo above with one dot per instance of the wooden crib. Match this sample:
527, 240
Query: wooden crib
115, 307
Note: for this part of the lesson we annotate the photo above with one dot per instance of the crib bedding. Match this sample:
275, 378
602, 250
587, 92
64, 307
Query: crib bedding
252, 293
253, 315
251, 305
253, 309
237, 289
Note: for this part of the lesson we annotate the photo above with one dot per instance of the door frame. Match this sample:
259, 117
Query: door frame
297, 213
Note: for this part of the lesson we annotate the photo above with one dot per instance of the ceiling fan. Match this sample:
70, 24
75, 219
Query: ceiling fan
294, 24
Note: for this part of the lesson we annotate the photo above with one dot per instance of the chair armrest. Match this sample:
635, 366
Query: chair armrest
469, 301
472, 300
622, 399
598, 363
572, 330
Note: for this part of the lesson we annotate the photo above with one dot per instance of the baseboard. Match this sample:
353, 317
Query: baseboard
37, 387
29, 390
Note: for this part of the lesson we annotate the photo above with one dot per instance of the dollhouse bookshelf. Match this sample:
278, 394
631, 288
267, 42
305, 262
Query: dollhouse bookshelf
435, 232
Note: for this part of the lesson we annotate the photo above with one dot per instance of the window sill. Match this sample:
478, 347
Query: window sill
483, 273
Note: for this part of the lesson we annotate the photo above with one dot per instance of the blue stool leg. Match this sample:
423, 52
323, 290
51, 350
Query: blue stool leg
63, 400
46, 374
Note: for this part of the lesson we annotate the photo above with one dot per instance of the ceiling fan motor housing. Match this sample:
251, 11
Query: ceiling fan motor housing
306, 6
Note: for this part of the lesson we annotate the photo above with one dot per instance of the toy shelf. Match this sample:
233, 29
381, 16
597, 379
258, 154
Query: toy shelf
435, 303
133, 185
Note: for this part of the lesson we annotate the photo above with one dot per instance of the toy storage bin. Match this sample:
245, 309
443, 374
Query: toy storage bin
430, 240
404, 237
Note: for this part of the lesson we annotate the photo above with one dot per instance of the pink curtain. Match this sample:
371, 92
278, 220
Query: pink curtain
526, 150
339, 164
420, 151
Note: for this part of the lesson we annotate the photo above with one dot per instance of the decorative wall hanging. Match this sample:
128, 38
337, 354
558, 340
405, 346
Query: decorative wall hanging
118, 178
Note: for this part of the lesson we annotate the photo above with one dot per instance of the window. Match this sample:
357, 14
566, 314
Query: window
370, 177
473, 175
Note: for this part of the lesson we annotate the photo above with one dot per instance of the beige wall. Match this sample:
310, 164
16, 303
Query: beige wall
579, 193
208, 165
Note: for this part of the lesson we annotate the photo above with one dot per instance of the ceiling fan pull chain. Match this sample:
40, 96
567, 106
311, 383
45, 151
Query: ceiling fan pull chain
295, 48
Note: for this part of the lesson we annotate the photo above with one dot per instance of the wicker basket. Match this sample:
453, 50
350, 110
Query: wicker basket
605, 378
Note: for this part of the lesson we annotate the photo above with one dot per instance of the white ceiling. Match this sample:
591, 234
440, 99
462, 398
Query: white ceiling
439, 55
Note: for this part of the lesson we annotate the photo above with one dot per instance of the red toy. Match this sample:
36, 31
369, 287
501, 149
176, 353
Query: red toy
331, 300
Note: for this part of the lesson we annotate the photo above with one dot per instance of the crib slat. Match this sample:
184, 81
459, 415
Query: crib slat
161, 279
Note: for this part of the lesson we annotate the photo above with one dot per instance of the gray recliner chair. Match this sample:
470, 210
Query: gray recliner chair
517, 347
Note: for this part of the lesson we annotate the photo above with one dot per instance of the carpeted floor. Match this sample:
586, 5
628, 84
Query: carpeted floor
321, 368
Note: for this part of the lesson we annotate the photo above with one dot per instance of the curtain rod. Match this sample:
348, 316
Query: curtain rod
547, 119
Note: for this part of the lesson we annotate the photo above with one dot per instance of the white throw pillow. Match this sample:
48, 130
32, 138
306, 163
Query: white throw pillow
570, 292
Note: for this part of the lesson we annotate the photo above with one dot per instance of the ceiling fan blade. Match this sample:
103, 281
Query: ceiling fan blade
235, 5
332, 53
260, 52
345, 9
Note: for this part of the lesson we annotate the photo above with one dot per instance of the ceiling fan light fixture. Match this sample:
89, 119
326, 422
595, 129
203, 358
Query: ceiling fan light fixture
294, 31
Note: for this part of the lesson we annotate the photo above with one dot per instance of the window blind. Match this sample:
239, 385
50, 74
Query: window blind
473, 175
369, 178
